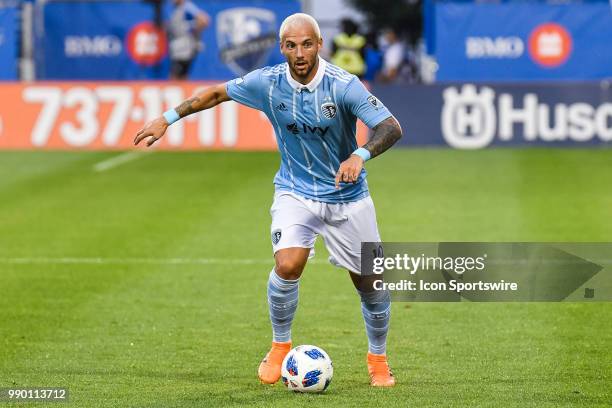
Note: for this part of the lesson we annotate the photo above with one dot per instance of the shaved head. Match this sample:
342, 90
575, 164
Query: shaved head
300, 42
299, 20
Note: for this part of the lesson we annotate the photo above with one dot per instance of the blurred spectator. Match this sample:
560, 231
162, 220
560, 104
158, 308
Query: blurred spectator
184, 28
373, 56
410, 69
348, 49
393, 58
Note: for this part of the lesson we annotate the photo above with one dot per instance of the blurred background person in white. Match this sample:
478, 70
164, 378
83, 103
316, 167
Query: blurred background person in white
393, 57
184, 28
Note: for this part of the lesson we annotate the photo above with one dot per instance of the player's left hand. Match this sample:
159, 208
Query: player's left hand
349, 170
154, 130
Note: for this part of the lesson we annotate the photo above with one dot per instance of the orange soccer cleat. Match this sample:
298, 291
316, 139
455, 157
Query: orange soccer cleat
270, 368
380, 373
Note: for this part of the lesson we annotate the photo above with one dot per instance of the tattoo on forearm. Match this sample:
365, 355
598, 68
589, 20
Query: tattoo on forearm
385, 135
187, 107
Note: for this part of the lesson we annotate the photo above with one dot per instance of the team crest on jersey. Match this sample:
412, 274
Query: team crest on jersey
329, 110
374, 101
276, 236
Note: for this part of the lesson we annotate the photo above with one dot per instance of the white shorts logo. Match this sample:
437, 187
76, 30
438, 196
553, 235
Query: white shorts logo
276, 236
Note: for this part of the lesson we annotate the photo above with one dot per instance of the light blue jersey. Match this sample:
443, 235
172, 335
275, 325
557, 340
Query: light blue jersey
315, 125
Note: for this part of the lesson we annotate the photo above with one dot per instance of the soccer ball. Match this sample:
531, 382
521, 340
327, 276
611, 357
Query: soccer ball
307, 369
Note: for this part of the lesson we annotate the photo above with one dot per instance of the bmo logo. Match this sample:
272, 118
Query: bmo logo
489, 47
147, 44
550, 45
98, 46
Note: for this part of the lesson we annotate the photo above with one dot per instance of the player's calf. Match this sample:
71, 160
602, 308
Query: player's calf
282, 301
376, 310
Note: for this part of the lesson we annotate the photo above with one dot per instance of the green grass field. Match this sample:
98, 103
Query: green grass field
144, 285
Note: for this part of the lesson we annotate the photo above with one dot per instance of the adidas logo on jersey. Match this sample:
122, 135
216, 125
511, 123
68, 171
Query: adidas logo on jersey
281, 107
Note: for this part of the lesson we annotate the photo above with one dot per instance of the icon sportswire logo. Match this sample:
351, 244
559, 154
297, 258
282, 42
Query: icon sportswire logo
473, 119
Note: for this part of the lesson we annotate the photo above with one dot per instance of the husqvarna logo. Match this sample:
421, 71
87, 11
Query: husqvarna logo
472, 119
468, 117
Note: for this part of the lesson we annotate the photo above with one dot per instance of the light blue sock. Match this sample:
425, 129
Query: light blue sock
376, 309
283, 300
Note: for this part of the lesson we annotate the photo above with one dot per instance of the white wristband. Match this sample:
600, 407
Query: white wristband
171, 116
363, 153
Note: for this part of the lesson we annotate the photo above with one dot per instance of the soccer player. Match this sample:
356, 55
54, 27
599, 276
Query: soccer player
321, 186
184, 29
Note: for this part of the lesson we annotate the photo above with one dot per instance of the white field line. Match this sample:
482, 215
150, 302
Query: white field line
118, 160
147, 261
215, 261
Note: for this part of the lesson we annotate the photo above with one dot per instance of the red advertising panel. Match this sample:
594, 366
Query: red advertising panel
105, 115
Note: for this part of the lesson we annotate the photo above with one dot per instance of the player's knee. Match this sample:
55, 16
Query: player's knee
364, 283
378, 299
289, 268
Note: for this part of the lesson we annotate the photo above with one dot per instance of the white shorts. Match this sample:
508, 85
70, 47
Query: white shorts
297, 221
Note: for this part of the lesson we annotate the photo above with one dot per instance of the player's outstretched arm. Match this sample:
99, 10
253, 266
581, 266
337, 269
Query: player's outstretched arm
386, 133
206, 99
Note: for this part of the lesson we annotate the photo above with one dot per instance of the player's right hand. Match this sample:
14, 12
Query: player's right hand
154, 130
349, 170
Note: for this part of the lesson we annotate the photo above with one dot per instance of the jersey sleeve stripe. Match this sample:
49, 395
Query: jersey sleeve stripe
338, 78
